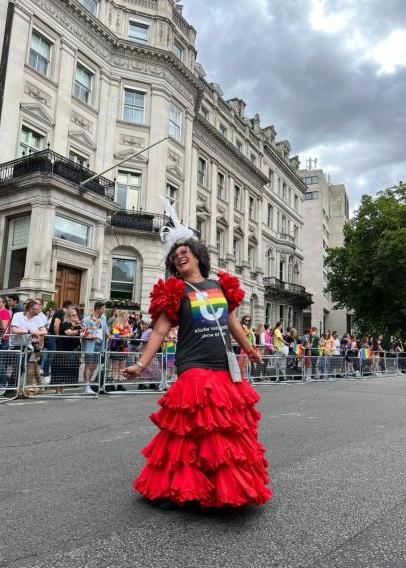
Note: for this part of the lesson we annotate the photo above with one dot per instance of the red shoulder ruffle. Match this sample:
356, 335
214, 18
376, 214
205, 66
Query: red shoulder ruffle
231, 289
166, 297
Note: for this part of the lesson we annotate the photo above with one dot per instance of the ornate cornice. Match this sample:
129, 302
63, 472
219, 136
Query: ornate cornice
286, 168
72, 16
220, 147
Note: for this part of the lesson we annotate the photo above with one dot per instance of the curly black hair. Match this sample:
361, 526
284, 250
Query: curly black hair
198, 249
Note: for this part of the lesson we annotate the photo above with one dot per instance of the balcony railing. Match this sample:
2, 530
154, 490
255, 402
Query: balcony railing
287, 287
139, 221
287, 237
49, 162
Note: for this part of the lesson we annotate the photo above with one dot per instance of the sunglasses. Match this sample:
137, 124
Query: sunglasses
182, 252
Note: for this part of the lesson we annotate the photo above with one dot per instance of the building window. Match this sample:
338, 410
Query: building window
268, 313
284, 191
16, 251
83, 84
237, 197
253, 159
201, 228
138, 32
282, 270
310, 195
269, 218
296, 204
90, 5
175, 122
269, 262
79, 158
220, 243
122, 278
221, 186
283, 225
70, 230
311, 179
202, 172
178, 51
223, 129
238, 143
296, 235
128, 190
171, 193
134, 106
290, 317
237, 251
30, 141
251, 257
205, 112
251, 208
271, 177
296, 274
282, 313
40, 53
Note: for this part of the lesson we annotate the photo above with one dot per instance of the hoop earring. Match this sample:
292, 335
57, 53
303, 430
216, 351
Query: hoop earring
178, 275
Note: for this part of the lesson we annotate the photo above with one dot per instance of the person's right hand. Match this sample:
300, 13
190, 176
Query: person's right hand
131, 372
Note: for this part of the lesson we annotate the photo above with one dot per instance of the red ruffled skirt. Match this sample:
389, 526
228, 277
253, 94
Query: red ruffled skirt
207, 450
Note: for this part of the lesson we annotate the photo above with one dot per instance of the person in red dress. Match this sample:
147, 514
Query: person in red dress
207, 450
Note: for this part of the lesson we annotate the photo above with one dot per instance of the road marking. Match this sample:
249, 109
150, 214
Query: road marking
292, 414
27, 403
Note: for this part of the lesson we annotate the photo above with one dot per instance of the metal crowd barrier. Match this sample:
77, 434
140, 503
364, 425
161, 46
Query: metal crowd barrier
34, 372
10, 374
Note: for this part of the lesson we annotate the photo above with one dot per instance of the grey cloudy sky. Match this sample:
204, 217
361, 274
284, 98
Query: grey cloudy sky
329, 74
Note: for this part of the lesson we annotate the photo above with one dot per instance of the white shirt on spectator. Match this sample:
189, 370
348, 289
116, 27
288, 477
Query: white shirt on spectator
20, 320
337, 345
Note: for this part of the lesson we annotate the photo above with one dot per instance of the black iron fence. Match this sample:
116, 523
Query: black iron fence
49, 162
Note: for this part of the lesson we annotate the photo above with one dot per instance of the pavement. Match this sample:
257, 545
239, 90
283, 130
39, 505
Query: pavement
338, 467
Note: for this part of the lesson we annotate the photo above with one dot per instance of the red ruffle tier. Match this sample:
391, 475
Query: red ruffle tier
207, 449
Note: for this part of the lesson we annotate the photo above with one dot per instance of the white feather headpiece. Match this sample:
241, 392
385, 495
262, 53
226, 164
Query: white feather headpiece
178, 233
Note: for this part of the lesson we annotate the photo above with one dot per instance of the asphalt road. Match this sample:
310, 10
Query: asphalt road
338, 466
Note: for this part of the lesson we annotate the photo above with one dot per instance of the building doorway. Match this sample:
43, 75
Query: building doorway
68, 281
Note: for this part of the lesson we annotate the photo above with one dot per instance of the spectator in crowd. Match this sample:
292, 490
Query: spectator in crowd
250, 335
13, 301
314, 340
153, 369
352, 357
169, 352
336, 366
27, 328
5, 319
66, 362
94, 337
53, 329
120, 330
279, 342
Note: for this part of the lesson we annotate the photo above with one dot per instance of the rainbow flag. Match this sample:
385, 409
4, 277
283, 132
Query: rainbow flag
298, 350
201, 312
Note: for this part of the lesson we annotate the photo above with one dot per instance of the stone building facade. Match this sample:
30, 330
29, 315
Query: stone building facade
325, 212
89, 83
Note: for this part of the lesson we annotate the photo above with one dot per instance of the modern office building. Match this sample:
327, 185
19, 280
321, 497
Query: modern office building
325, 212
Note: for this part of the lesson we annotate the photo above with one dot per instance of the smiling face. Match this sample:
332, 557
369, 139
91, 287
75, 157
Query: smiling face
185, 261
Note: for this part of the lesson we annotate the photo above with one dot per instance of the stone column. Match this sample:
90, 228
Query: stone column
213, 206
63, 107
230, 247
98, 244
14, 85
109, 93
187, 213
39, 250
157, 156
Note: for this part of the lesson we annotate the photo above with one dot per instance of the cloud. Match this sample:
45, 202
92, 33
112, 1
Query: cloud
330, 75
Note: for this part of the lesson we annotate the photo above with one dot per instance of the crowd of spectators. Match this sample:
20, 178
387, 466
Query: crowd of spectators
54, 340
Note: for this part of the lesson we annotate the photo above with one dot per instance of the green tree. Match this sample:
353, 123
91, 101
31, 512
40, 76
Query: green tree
368, 274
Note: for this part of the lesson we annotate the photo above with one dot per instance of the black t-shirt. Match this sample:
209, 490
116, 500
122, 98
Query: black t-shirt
199, 341
60, 314
69, 342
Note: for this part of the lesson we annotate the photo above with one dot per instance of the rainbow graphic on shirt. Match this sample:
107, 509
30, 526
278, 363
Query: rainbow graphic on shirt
202, 313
